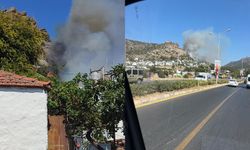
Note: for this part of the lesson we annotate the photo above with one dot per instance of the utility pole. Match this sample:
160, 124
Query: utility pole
219, 53
242, 63
242, 67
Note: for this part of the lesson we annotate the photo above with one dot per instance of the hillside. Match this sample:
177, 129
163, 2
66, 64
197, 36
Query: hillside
238, 64
152, 51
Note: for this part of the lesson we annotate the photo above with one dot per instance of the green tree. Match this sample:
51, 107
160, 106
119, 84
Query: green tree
202, 68
95, 107
21, 42
247, 71
113, 93
189, 69
152, 69
235, 73
161, 73
211, 66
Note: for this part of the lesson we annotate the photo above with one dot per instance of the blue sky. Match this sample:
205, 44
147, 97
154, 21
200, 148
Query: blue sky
162, 20
49, 14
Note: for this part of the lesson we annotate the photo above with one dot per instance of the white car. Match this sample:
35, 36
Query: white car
201, 77
248, 81
233, 83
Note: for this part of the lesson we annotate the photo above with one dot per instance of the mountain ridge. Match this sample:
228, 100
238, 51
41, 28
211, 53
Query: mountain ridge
153, 51
238, 64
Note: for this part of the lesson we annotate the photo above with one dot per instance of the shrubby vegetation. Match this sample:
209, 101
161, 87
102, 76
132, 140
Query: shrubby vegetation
162, 73
167, 85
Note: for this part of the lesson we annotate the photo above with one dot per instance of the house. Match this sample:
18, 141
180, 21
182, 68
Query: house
23, 112
97, 74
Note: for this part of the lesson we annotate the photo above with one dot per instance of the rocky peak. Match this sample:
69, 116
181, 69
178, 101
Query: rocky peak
152, 51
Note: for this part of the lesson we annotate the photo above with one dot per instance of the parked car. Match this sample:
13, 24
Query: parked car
135, 75
201, 77
233, 82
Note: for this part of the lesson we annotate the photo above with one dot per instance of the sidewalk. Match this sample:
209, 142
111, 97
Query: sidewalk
141, 101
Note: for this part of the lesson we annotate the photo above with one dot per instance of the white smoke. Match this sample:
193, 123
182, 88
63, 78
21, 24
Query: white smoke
204, 44
93, 37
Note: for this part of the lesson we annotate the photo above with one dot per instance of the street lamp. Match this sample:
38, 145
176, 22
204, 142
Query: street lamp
217, 62
219, 53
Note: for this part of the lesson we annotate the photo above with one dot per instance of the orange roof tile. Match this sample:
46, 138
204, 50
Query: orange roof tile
14, 80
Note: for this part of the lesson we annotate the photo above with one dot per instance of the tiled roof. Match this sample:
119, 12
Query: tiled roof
13, 80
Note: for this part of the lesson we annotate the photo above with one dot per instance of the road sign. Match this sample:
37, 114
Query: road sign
217, 65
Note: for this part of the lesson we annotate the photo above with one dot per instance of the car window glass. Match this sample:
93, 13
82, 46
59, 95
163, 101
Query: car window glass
135, 72
128, 72
140, 72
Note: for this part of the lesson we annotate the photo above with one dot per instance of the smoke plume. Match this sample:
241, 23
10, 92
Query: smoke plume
93, 37
203, 44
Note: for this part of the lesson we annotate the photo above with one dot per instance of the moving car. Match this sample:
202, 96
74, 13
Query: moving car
248, 81
233, 82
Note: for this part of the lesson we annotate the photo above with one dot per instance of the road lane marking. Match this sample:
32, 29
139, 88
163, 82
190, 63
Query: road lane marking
197, 129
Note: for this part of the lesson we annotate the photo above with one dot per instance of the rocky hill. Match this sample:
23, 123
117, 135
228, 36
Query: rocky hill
153, 52
238, 64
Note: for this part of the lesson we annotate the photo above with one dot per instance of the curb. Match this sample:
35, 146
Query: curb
146, 103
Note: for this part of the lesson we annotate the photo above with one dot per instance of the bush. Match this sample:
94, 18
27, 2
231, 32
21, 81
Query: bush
161, 74
165, 86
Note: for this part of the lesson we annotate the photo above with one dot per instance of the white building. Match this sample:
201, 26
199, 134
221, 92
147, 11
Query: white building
23, 113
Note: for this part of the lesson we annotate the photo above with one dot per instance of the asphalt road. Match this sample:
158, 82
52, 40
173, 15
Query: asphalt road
166, 125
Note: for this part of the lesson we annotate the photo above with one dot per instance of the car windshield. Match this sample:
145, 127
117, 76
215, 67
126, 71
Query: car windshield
135, 72
248, 78
200, 76
128, 72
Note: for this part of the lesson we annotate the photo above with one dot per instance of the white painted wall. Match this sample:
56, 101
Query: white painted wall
23, 119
